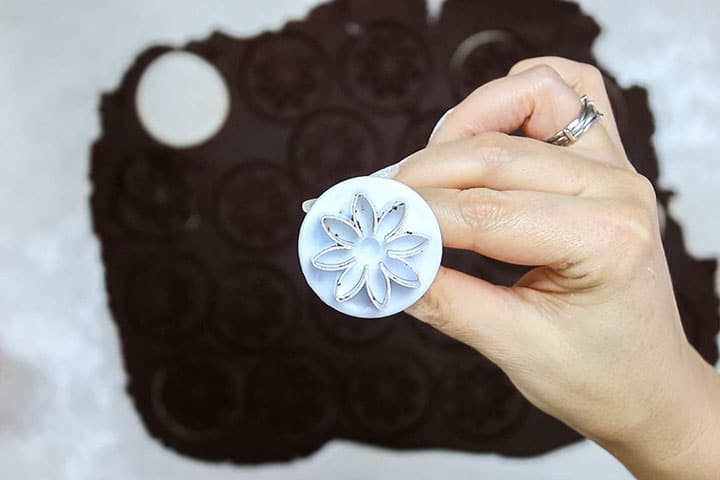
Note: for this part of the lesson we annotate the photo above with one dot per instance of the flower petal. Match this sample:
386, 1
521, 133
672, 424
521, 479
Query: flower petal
391, 221
333, 258
350, 282
363, 214
378, 287
400, 272
406, 245
340, 230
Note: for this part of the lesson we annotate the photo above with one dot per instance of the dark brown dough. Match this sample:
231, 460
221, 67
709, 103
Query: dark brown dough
229, 355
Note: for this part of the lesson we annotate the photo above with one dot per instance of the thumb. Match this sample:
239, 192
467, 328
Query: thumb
490, 318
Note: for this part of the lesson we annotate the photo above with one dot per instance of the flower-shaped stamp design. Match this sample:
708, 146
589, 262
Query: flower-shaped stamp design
370, 251
370, 247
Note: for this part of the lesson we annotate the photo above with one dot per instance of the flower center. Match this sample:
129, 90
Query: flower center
368, 251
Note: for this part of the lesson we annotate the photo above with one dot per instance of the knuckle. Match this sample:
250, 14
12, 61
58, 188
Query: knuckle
628, 230
528, 63
644, 189
541, 68
490, 147
634, 223
545, 70
549, 81
522, 65
590, 73
482, 209
547, 75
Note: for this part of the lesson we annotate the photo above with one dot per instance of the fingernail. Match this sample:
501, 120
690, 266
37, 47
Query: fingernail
389, 171
307, 204
439, 123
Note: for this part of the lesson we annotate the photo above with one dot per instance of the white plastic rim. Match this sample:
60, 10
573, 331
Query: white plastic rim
370, 247
181, 99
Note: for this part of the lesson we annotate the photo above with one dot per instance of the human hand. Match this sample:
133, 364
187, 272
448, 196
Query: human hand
592, 334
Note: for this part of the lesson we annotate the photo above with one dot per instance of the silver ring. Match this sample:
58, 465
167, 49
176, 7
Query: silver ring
588, 116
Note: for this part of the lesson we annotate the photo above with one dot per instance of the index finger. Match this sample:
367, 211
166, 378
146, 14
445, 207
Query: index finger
584, 78
537, 100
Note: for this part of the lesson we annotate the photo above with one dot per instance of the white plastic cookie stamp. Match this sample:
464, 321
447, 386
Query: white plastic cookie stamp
370, 247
